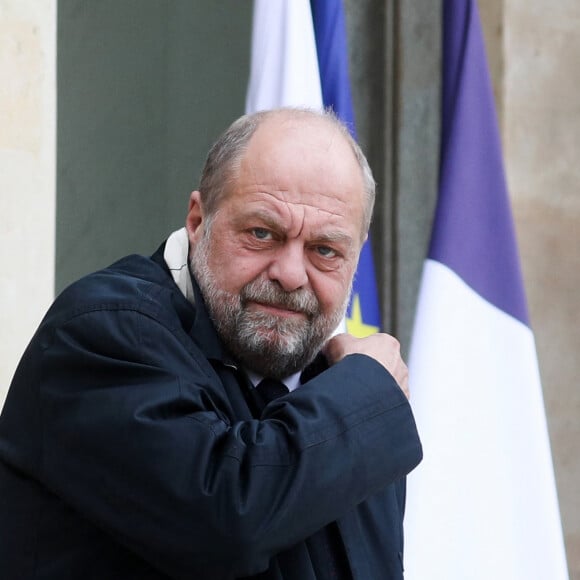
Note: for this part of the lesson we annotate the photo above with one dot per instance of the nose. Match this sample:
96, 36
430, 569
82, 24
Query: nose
288, 267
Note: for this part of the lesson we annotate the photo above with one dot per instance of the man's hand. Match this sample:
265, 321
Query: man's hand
384, 348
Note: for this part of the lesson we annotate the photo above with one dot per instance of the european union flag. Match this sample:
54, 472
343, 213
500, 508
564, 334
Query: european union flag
363, 314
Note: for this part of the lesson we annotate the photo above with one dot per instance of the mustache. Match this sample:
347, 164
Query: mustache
270, 293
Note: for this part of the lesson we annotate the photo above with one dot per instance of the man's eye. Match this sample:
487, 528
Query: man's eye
261, 233
326, 252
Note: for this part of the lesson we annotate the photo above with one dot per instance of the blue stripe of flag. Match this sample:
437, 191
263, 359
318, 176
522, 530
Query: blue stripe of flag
473, 231
331, 44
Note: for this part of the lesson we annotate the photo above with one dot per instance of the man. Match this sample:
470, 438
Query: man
134, 442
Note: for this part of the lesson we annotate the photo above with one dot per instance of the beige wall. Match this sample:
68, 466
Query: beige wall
27, 172
534, 53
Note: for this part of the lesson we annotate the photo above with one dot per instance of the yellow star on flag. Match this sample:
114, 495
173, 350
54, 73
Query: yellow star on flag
355, 324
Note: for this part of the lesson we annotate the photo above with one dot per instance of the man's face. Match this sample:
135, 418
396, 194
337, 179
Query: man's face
276, 265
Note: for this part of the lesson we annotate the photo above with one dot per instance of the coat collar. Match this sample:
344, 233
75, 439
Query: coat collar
201, 328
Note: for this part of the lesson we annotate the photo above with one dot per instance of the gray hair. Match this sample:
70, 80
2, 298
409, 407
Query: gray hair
224, 157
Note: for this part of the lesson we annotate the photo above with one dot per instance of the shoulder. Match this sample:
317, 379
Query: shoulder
135, 284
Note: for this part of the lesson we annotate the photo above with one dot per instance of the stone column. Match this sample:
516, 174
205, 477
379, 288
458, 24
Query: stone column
27, 173
542, 149
533, 49
395, 57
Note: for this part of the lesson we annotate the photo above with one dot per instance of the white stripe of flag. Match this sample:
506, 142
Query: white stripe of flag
284, 64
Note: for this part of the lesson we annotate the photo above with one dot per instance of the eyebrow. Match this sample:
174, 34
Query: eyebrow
333, 237
270, 220
266, 217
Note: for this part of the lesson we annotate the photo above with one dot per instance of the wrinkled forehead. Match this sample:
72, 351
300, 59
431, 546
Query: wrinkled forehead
300, 144
309, 159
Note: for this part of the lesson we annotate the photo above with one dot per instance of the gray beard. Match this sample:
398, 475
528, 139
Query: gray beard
267, 344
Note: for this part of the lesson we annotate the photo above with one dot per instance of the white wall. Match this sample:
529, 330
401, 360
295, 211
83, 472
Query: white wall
27, 173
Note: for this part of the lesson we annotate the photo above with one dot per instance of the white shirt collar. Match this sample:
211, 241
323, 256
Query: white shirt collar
292, 382
175, 255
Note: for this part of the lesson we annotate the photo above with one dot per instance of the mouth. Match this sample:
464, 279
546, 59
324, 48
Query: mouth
278, 310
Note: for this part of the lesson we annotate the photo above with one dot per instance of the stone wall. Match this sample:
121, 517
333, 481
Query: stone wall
27, 172
534, 53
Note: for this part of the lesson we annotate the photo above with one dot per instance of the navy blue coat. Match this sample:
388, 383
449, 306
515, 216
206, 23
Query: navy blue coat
129, 448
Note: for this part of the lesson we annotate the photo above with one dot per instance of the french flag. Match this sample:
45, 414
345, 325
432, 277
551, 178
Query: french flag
483, 503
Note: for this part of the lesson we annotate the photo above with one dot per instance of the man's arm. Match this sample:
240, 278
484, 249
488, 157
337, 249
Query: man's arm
141, 440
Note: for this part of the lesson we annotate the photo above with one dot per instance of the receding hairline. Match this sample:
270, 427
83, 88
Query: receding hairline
224, 159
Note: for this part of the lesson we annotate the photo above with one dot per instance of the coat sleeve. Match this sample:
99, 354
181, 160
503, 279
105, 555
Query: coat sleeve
137, 438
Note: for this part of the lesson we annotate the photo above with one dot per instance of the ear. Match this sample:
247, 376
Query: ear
194, 219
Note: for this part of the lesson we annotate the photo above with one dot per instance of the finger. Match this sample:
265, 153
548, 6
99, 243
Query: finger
404, 382
335, 348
